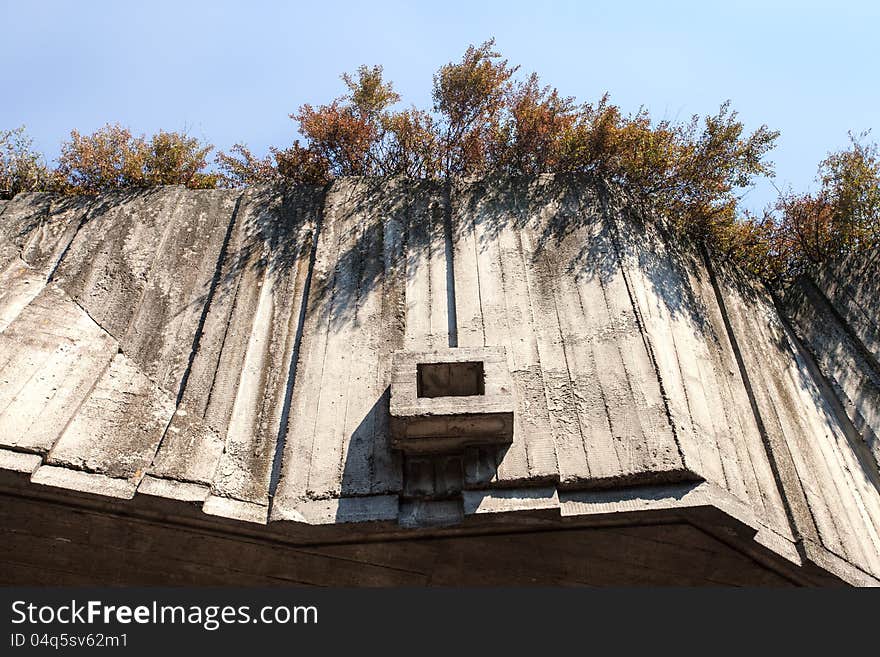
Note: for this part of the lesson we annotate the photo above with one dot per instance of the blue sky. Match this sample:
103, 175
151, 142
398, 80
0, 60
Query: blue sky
233, 71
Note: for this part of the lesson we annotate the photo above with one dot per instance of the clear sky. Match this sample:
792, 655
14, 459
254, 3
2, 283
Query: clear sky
233, 71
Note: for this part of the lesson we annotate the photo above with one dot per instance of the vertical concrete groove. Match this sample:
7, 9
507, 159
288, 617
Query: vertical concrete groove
854, 438
477, 270
200, 327
784, 489
80, 404
603, 396
545, 387
345, 441
451, 316
640, 322
819, 300
166, 233
215, 280
429, 256
229, 318
603, 287
60, 259
281, 441
571, 384
330, 308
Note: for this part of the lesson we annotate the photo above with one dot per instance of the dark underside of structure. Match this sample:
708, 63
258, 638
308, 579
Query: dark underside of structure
51, 541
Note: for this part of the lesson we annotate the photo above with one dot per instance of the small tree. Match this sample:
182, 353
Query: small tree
349, 132
851, 185
175, 158
109, 158
240, 167
470, 97
413, 144
21, 168
301, 164
531, 138
842, 217
112, 157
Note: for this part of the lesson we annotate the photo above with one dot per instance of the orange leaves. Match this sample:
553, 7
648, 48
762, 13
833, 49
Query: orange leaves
369, 94
842, 217
470, 97
532, 136
851, 181
804, 230
112, 157
302, 165
240, 167
413, 144
473, 89
340, 135
484, 120
173, 158
807, 226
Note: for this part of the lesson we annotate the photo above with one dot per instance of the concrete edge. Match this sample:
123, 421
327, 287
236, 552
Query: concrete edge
574, 503
227, 507
22, 463
510, 500
173, 489
83, 482
418, 514
370, 508
700, 503
830, 562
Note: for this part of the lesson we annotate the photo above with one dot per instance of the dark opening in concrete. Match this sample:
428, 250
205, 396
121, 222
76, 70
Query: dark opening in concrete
450, 379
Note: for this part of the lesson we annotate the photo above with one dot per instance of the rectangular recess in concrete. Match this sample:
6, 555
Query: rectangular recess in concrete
450, 379
475, 410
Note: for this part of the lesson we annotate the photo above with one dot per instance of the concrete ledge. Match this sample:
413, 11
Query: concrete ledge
830, 562
510, 500
173, 489
426, 513
782, 546
642, 498
420, 519
708, 506
701, 502
227, 507
373, 508
84, 482
19, 462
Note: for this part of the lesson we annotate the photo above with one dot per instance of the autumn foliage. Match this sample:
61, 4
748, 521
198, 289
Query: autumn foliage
842, 217
486, 119
112, 157
21, 168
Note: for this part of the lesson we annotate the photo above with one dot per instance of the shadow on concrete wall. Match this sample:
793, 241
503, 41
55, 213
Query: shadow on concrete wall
371, 468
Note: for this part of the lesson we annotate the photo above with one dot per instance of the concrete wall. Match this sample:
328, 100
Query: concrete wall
835, 313
230, 351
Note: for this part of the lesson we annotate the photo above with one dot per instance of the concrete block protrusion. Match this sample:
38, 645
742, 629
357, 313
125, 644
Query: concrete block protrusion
445, 400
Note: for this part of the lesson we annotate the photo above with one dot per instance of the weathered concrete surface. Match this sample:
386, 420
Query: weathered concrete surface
830, 493
51, 357
835, 313
141, 266
225, 358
